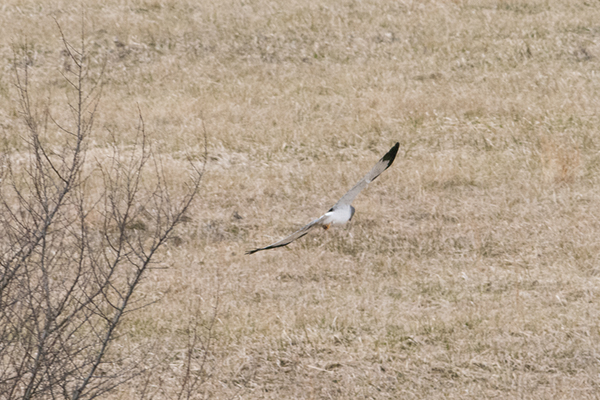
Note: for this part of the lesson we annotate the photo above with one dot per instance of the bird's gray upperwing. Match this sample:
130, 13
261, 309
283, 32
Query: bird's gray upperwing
296, 235
381, 166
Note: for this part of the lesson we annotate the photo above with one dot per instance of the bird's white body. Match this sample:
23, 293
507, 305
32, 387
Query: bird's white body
338, 216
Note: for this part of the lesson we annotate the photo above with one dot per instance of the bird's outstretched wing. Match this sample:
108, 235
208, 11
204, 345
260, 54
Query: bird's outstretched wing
296, 235
381, 166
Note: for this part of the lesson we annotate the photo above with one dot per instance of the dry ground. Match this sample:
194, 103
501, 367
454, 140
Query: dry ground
471, 268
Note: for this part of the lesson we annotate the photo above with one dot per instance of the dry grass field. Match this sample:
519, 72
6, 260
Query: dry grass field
471, 268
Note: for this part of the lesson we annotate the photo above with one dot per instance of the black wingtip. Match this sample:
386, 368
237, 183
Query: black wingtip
270, 247
391, 155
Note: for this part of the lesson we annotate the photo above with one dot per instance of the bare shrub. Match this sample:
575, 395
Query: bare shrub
79, 234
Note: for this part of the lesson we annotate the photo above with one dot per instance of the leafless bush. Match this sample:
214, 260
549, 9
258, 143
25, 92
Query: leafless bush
79, 234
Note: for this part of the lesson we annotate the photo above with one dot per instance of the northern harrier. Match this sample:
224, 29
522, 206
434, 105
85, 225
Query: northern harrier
342, 211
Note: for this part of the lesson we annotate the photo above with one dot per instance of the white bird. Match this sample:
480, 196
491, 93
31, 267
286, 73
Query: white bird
342, 211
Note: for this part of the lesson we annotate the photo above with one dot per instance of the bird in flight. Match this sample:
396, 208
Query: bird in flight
342, 211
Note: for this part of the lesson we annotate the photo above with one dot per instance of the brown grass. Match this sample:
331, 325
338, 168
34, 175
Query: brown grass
471, 268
